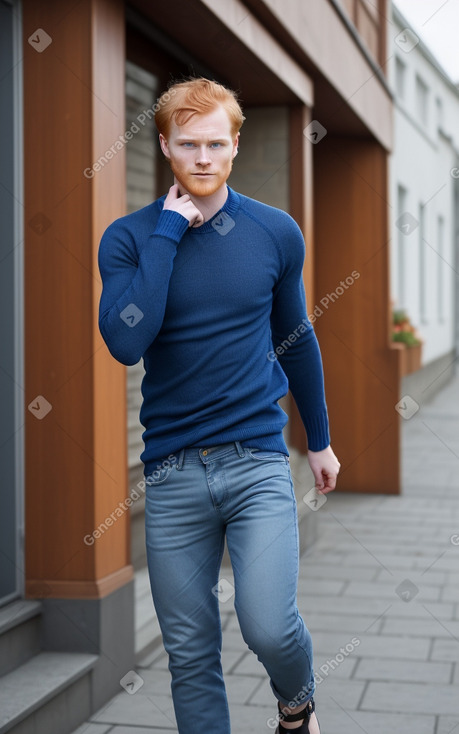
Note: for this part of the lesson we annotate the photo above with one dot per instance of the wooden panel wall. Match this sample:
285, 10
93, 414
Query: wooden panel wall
362, 372
370, 20
76, 469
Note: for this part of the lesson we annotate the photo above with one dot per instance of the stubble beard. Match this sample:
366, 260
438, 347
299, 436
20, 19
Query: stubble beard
196, 186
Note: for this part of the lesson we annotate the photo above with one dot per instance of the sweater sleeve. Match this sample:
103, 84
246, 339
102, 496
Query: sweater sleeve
135, 287
294, 339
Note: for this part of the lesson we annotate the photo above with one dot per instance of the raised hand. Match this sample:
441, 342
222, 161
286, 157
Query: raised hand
184, 206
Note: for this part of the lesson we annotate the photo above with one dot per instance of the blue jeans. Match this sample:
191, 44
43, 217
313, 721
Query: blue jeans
189, 506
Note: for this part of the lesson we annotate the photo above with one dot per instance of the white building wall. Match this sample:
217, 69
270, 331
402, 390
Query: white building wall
426, 141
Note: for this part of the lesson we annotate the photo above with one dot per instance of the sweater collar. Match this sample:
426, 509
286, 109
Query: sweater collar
229, 208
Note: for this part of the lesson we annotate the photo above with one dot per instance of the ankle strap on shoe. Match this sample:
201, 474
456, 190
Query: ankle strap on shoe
299, 715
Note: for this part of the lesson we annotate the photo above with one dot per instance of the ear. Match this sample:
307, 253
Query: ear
164, 145
235, 145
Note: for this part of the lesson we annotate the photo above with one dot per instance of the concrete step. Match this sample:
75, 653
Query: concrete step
19, 633
51, 692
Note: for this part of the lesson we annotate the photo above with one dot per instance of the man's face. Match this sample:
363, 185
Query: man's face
201, 152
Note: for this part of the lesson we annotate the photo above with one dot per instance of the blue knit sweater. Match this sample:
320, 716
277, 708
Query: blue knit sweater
218, 314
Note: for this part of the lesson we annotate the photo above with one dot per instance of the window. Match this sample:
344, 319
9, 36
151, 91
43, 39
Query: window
439, 106
422, 265
440, 268
401, 285
422, 101
400, 78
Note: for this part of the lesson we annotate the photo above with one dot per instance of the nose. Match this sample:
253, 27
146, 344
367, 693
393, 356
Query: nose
203, 156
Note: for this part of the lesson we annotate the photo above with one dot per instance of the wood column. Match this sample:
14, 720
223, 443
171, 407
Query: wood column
75, 417
362, 372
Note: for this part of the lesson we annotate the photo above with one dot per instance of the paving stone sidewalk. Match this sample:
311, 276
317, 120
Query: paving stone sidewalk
379, 592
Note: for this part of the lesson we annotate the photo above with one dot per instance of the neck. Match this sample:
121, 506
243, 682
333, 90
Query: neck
207, 205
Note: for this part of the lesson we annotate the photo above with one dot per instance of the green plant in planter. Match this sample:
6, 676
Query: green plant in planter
403, 330
399, 317
406, 337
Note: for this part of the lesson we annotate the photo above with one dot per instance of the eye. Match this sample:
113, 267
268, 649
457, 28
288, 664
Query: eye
215, 145
187, 145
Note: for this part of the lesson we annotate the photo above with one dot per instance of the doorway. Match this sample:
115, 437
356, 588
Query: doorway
11, 323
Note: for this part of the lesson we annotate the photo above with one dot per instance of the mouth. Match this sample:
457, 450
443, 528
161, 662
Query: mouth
202, 175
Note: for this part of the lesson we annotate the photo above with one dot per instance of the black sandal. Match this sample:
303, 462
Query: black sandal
304, 714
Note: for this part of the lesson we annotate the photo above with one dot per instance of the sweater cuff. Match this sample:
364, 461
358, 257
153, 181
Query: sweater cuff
317, 431
171, 224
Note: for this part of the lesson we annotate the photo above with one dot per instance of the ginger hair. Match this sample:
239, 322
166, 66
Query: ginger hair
196, 96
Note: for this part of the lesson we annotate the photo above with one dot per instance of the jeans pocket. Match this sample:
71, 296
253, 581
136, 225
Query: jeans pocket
159, 476
262, 455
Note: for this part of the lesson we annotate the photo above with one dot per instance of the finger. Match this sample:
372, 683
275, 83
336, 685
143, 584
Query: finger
172, 193
198, 219
319, 481
327, 490
330, 483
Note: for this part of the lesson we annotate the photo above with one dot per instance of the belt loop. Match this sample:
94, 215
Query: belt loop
239, 449
181, 458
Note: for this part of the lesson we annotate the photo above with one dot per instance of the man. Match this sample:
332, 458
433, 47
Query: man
205, 284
